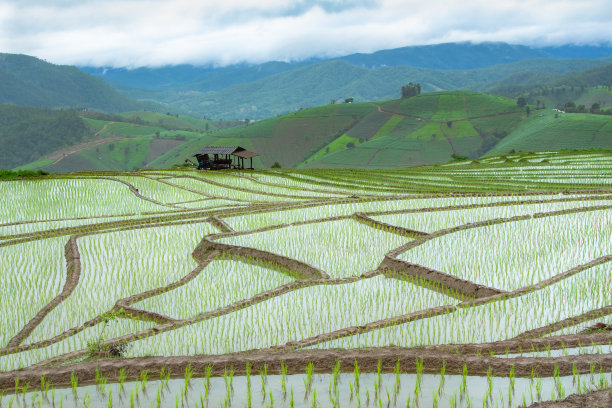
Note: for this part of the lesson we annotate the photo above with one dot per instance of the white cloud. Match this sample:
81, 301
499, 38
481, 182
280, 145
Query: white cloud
157, 32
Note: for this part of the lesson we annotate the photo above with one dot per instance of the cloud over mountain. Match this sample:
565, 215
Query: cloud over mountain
157, 32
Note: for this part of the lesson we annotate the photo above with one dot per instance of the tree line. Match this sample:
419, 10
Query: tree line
27, 133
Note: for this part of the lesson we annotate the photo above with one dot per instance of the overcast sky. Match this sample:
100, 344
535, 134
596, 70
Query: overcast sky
158, 32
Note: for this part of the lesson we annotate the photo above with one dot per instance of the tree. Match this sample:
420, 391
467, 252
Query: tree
521, 101
595, 107
276, 165
348, 100
449, 123
350, 145
411, 90
527, 110
455, 156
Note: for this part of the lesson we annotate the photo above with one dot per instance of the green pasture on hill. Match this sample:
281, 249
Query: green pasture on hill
128, 154
172, 121
34, 165
425, 129
156, 137
599, 94
549, 130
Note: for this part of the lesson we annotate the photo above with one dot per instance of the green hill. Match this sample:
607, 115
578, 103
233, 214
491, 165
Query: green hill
64, 140
550, 130
554, 88
134, 140
429, 128
396, 133
26, 80
27, 134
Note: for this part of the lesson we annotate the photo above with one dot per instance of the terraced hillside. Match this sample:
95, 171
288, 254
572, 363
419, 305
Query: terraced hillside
429, 128
127, 141
421, 130
457, 284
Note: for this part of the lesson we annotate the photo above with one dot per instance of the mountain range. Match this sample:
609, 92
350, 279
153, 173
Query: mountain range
302, 104
273, 88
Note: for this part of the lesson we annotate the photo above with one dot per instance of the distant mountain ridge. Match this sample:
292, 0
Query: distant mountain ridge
272, 88
29, 81
447, 56
320, 83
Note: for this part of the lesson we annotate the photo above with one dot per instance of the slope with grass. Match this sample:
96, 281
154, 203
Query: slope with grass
121, 141
429, 129
27, 134
26, 80
550, 130
396, 133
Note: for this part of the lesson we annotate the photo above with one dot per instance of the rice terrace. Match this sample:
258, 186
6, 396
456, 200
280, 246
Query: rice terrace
465, 284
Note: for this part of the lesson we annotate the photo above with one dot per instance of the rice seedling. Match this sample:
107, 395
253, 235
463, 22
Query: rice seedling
126, 263
328, 239
581, 236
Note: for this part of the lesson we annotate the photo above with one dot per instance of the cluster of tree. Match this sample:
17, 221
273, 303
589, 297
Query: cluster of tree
27, 133
556, 88
489, 140
411, 90
346, 100
570, 107
9, 174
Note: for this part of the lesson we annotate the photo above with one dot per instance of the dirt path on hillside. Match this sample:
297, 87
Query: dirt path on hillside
381, 110
58, 155
448, 139
63, 153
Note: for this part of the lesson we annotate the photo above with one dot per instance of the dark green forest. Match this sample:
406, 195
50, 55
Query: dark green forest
28, 133
26, 80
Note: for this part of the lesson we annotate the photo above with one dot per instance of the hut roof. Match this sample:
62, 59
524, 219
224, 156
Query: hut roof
245, 154
220, 150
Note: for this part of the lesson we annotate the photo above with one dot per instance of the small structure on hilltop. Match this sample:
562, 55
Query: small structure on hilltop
223, 157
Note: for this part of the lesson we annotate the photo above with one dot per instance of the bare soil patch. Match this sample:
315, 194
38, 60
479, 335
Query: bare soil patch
161, 146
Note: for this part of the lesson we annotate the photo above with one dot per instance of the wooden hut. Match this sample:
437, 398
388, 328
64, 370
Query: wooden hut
224, 157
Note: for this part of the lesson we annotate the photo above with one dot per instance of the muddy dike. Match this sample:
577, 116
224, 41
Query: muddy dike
324, 361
